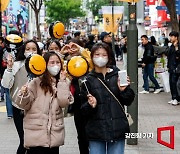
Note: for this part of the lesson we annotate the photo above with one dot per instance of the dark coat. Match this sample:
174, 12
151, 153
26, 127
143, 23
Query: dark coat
107, 121
89, 45
173, 59
148, 56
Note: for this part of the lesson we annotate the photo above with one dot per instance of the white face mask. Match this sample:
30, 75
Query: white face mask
53, 70
100, 61
27, 54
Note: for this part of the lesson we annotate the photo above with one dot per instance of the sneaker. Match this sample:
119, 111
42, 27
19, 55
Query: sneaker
157, 91
174, 102
10, 117
170, 102
144, 92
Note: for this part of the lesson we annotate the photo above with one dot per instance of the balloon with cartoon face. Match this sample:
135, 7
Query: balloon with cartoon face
35, 65
77, 66
56, 30
13, 41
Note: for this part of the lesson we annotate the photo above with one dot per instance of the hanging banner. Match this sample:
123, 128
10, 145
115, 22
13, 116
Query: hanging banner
150, 2
109, 25
4, 4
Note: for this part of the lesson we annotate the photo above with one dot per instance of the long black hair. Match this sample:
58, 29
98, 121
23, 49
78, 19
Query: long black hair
54, 41
46, 78
21, 55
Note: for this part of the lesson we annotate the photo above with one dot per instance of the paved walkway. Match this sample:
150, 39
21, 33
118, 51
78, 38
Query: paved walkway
154, 112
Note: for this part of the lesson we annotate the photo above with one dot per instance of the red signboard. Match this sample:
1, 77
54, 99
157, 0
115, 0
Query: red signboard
150, 2
163, 16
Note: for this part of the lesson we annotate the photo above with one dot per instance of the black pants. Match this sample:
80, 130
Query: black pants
173, 78
18, 121
43, 150
80, 123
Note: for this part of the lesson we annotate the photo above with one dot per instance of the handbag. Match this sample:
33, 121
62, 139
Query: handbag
128, 116
165, 81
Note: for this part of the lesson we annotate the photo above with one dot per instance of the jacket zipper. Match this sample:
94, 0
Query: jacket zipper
49, 122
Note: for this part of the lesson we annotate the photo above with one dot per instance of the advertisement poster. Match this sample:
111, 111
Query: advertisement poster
15, 17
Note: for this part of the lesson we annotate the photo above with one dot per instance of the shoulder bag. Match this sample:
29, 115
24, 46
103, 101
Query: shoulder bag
128, 116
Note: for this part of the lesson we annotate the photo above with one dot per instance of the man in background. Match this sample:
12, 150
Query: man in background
148, 61
107, 39
173, 61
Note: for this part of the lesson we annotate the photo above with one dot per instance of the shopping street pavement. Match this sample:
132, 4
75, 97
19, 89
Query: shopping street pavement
154, 112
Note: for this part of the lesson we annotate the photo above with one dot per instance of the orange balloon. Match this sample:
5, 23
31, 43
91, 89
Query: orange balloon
4, 4
13, 38
77, 66
57, 30
37, 65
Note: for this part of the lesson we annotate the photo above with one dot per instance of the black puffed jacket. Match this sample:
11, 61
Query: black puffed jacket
173, 59
148, 54
107, 121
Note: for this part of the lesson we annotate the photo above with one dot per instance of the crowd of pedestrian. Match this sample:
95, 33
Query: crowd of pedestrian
172, 52
36, 103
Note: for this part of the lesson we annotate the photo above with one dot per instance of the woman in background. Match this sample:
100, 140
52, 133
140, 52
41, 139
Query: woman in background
15, 76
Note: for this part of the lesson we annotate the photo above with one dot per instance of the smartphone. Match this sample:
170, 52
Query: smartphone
123, 78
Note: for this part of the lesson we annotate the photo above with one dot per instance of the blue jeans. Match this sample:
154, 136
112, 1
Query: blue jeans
102, 147
2, 92
8, 103
149, 72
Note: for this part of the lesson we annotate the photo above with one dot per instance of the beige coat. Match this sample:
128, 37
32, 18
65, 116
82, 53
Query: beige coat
43, 120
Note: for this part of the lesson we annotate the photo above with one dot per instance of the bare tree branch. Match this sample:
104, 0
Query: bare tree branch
31, 4
35, 1
36, 6
40, 4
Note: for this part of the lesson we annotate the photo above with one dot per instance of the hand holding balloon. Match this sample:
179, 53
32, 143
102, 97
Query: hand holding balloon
63, 75
92, 100
24, 89
10, 61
